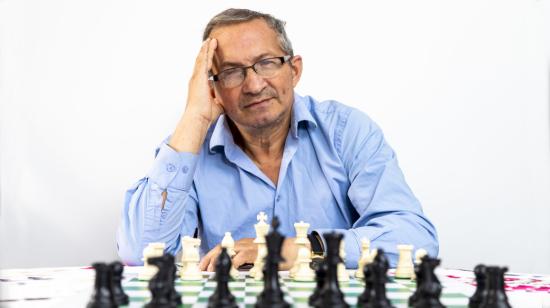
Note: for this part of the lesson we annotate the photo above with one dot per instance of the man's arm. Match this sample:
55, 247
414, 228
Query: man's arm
389, 213
159, 207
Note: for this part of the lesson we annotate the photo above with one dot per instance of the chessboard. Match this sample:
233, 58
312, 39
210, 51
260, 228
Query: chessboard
246, 289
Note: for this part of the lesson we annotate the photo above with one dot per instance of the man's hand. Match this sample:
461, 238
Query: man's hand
201, 101
246, 252
202, 106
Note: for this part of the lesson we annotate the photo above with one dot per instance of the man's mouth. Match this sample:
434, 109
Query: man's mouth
257, 103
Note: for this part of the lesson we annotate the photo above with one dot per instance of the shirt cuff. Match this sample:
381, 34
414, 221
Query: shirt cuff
173, 169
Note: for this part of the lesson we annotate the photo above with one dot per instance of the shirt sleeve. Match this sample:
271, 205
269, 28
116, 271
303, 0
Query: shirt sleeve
146, 220
389, 213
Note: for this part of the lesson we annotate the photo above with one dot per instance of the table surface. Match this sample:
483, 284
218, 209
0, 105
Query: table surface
73, 286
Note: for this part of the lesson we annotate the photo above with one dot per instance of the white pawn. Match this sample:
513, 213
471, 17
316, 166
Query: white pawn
364, 259
341, 269
418, 255
261, 230
303, 270
229, 244
301, 241
190, 259
150, 251
405, 267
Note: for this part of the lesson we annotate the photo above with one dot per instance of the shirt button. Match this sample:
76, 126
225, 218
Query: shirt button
185, 169
170, 168
278, 198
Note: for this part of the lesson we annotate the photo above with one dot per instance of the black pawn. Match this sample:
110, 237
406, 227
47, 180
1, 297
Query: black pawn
428, 287
481, 287
496, 295
162, 285
119, 297
320, 278
101, 297
272, 296
331, 295
222, 297
376, 278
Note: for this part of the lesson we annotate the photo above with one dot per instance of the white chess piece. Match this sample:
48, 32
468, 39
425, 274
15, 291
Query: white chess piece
303, 270
190, 259
343, 275
301, 241
418, 255
261, 230
405, 268
364, 259
150, 251
229, 244
372, 255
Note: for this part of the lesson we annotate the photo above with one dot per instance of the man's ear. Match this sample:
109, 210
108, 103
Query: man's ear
296, 65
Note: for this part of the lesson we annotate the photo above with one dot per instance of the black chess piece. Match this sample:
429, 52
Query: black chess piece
119, 297
418, 275
162, 286
222, 297
481, 287
428, 286
320, 278
496, 295
331, 295
272, 296
376, 278
102, 297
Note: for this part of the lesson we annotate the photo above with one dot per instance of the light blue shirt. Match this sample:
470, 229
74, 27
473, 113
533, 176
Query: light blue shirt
337, 173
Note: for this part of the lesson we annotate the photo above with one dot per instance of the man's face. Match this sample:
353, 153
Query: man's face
258, 102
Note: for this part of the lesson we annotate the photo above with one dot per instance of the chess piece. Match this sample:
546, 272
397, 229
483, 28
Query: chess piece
151, 251
320, 278
428, 287
229, 244
481, 287
302, 242
418, 255
261, 230
343, 275
190, 259
364, 259
222, 297
101, 296
119, 297
331, 295
405, 268
496, 295
272, 295
303, 270
376, 277
162, 285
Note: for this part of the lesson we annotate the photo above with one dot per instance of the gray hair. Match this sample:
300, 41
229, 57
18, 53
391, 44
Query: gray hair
235, 16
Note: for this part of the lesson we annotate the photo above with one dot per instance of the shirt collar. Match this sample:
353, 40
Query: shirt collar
221, 135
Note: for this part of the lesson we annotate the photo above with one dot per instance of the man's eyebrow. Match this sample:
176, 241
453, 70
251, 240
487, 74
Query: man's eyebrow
227, 64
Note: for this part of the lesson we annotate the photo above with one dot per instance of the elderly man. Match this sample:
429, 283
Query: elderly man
247, 142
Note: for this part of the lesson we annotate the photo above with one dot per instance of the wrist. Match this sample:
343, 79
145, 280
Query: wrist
189, 134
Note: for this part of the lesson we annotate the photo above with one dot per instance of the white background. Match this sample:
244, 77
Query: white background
88, 89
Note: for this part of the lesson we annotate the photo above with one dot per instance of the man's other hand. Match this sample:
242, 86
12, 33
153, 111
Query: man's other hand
246, 251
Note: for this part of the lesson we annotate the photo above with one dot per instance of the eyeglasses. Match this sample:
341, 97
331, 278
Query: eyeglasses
234, 77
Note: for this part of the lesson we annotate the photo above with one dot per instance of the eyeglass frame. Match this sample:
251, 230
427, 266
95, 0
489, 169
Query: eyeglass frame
244, 69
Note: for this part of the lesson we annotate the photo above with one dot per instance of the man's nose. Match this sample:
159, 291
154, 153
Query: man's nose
253, 83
